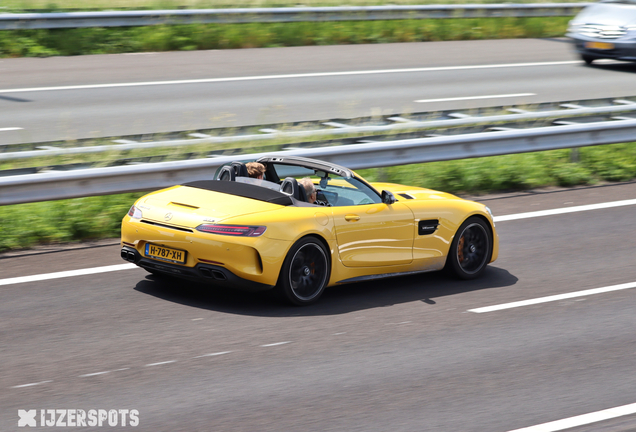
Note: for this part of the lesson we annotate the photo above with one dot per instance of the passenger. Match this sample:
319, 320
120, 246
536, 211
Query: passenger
255, 170
310, 189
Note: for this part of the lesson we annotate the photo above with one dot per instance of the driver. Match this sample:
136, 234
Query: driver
310, 189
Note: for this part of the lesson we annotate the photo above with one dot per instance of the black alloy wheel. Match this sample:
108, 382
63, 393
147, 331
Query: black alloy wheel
471, 249
305, 272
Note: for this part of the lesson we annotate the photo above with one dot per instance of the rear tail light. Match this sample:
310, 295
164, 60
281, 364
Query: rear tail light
233, 230
135, 213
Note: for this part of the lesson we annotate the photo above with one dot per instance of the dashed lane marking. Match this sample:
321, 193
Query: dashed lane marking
276, 344
161, 363
31, 384
213, 354
475, 97
94, 374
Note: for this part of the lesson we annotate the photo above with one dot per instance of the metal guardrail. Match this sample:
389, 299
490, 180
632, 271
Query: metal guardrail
287, 14
102, 181
598, 109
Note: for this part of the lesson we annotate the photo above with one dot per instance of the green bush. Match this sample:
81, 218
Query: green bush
65, 42
25, 225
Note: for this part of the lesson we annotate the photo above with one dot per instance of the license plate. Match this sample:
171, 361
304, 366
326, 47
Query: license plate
599, 45
165, 254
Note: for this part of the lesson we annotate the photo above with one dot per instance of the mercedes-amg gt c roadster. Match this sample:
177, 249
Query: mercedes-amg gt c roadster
259, 234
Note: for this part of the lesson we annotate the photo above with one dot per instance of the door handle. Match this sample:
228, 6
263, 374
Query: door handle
352, 218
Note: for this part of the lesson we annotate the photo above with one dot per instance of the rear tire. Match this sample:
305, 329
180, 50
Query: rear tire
587, 59
471, 249
305, 272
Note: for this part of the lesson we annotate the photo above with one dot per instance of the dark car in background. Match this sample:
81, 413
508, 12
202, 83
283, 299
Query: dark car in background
605, 30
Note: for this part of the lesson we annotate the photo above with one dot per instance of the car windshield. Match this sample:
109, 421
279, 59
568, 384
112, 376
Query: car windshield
332, 189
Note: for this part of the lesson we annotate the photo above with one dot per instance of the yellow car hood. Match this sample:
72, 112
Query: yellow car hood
189, 207
412, 192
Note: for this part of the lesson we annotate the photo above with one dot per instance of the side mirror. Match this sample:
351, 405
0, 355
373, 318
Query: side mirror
388, 197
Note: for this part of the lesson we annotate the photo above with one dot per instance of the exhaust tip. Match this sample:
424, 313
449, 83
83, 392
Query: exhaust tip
128, 255
219, 275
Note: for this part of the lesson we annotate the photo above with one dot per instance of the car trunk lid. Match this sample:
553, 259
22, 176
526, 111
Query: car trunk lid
184, 206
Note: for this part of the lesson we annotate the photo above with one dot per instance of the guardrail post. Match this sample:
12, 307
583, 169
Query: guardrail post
575, 155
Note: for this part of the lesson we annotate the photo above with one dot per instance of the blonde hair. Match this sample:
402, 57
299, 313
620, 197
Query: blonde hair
309, 186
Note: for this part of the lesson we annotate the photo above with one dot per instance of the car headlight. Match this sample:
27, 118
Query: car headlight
574, 27
135, 213
630, 31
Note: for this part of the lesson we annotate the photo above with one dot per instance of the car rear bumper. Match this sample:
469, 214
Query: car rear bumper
202, 273
622, 50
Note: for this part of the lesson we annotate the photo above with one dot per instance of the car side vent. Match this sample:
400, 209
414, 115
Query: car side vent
166, 226
425, 227
407, 196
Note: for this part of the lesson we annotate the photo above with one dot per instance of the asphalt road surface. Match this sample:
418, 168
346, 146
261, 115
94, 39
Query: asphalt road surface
44, 99
403, 354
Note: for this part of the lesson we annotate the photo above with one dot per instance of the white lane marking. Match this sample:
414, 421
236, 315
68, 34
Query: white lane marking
102, 373
276, 344
288, 76
581, 420
129, 266
338, 334
475, 97
10, 129
554, 298
161, 363
197, 319
213, 354
70, 273
564, 210
94, 374
31, 385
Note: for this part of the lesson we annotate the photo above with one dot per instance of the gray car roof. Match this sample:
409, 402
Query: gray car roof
309, 163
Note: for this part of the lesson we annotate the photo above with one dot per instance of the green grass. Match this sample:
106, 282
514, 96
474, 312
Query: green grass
25, 225
65, 42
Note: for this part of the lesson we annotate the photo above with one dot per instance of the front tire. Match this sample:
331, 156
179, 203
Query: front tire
305, 272
471, 249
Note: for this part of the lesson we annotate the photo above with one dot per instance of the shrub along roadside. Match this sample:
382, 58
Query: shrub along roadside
616, 162
65, 42
25, 225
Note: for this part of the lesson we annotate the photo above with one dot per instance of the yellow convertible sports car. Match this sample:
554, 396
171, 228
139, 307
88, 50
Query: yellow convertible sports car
259, 234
